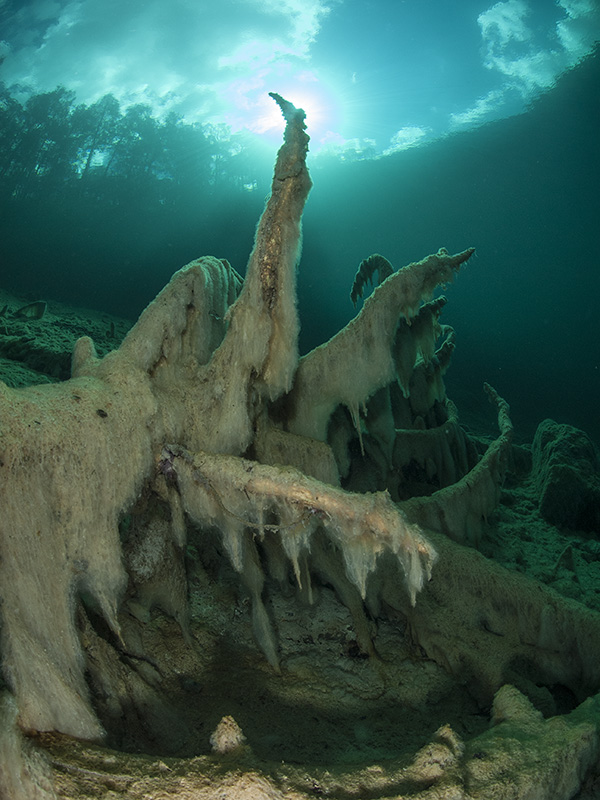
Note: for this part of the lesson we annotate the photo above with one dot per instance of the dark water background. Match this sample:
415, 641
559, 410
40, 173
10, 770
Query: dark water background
524, 191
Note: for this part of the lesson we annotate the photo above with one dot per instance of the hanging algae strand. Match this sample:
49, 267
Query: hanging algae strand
166, 468
362, 525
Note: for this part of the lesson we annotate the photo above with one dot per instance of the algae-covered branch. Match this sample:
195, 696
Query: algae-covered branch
207, 541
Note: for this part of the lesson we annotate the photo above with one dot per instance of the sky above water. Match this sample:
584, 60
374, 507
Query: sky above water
373, 75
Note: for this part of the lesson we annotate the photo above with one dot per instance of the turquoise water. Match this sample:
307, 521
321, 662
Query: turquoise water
101, 206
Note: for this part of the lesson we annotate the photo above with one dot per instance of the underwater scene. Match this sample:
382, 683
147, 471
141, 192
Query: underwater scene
299, 379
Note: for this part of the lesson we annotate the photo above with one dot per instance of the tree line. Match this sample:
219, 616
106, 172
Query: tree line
50, 144
100, 204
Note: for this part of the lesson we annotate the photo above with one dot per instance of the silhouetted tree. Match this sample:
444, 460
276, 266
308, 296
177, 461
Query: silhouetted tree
49, 148
12, 124
96, 128
37, 147
95, 196
188, 156
50, 143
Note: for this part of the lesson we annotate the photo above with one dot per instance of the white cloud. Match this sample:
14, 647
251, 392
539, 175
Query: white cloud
195, 57
217, 61
300, 23
538, 70
359, 149
356, 149
305, 18
513, 51
526, 62
406, 137
581, 28
510, 48
504, 23
483, 107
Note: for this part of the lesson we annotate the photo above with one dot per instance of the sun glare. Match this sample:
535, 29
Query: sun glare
317, 101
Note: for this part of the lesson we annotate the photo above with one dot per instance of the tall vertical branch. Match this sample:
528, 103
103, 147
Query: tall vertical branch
262, 340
